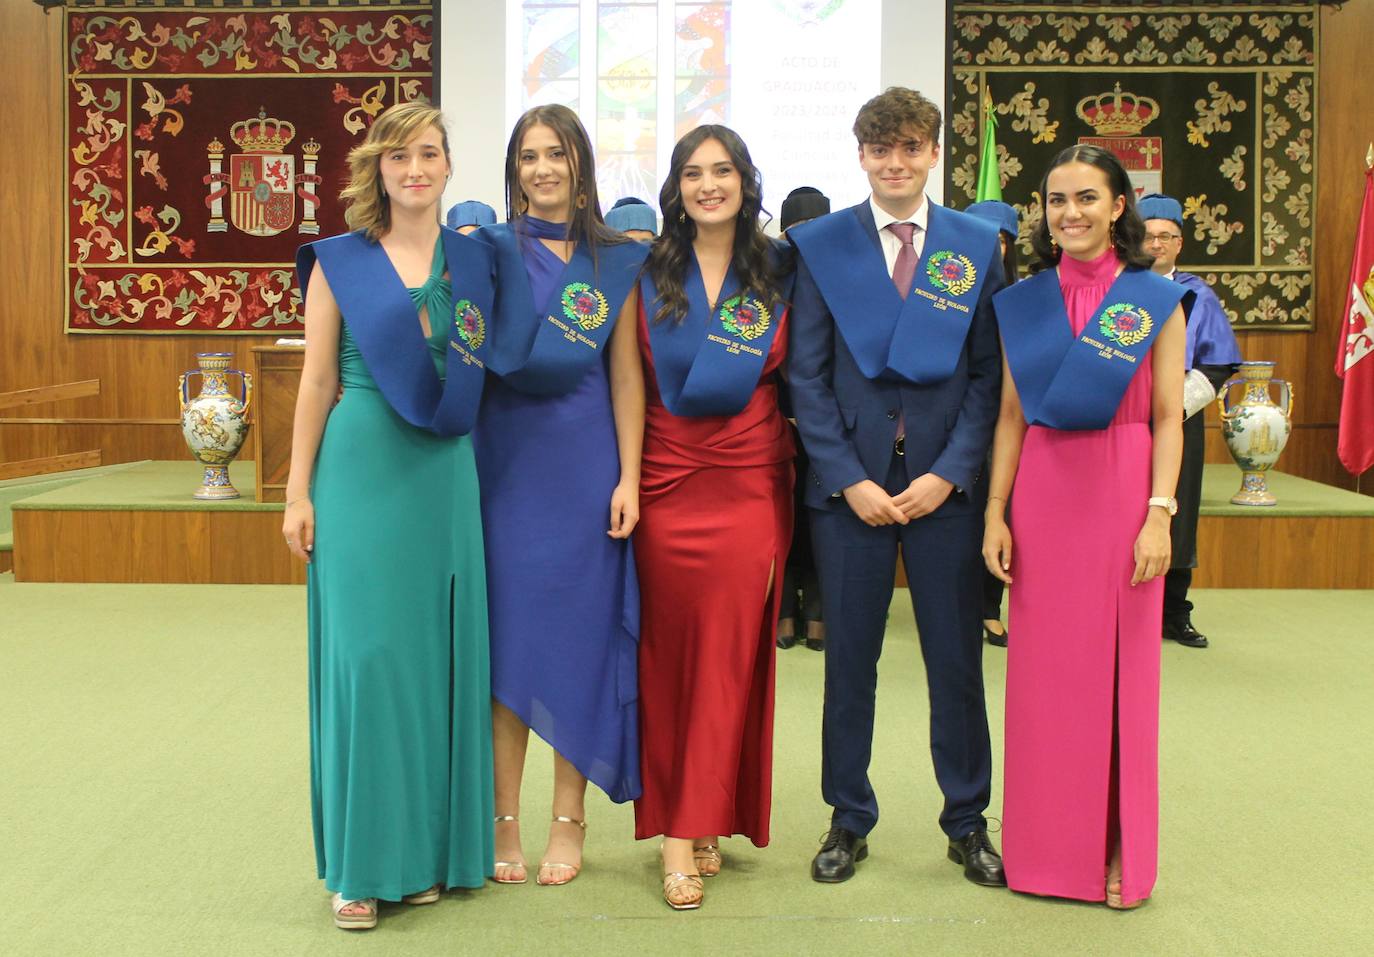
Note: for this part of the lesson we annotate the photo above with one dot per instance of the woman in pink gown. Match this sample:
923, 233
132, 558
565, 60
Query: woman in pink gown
1090, 433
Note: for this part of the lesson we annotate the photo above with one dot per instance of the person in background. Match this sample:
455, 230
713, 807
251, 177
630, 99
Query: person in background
470, 215
1210, 356
558, 455
633, 217
400, 715
1008, 223
801, 584
895, 373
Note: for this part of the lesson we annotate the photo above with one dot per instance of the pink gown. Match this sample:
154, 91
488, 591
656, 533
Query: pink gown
1082, 714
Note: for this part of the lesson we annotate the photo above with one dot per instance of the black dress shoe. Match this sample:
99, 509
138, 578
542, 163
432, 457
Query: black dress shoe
786, 641
1185, 634
995, 639
840, 850
982, 863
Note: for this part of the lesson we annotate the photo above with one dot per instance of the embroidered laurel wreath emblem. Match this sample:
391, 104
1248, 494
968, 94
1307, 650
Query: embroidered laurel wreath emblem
584, 305
1125, 323
472, 329
746, 318
950, 272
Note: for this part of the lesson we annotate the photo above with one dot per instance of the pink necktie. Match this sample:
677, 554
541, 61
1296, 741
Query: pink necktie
903, 273
904, 269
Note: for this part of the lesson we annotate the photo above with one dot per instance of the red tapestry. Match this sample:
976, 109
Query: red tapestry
204, 147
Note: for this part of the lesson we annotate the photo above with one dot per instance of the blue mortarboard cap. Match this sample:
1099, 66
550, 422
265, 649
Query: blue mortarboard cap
1159, 206
471, 212
1002, 215
631, 213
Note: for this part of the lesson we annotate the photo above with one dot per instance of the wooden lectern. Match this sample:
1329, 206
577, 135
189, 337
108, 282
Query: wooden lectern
276, 379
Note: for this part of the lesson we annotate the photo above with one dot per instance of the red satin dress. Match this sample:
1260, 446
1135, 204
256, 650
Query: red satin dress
715, 518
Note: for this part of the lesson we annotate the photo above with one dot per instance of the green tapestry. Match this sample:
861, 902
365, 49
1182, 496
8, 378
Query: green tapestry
1215, 106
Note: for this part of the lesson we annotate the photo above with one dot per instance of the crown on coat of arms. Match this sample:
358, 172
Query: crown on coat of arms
266, 134
310, 147
1117, 113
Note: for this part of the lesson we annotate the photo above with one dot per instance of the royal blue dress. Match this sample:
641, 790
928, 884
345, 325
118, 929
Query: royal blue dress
562, 594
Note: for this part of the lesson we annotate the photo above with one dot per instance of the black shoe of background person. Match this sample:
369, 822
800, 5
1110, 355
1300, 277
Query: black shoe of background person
982, 863
815, 642
1184, 633
786, 641
840, 850
993, 638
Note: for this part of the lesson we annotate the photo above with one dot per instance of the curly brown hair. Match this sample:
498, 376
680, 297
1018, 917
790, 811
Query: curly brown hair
894, 115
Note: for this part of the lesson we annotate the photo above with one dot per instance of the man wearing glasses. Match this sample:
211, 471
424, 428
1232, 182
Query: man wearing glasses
1211, 355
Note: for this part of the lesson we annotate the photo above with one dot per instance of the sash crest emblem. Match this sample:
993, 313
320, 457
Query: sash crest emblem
1126, 323
584, 305
744, 317
472, 328
950, 272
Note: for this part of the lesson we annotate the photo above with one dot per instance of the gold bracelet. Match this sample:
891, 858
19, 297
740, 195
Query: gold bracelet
303, 498
996, 498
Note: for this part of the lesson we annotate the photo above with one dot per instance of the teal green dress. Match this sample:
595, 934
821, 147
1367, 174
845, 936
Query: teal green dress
400, 688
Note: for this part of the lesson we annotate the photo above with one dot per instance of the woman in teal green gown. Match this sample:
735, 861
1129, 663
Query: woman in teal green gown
382, 501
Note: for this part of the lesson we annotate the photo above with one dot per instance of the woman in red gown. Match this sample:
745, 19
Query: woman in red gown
715, 511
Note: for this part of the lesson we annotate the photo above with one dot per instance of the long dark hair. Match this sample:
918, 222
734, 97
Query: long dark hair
668, 257
1129, 233
1011, 261
585, 223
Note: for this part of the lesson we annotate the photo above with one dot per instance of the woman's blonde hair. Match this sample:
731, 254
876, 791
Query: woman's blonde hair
368, 206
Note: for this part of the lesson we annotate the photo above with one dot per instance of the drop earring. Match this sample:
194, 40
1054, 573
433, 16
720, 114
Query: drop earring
581, 200
682, 216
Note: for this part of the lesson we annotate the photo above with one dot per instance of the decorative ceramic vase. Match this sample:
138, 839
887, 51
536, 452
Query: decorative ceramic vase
215, 422
1255, 429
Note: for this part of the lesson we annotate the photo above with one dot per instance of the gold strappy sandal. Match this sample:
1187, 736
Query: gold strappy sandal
674, 882
707, 859
575, 869
524, 874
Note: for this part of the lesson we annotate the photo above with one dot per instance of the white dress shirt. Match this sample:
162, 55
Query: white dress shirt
891, 244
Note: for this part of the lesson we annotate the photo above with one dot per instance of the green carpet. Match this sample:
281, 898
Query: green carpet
1296, 496
13, 490
154, 782
153, 487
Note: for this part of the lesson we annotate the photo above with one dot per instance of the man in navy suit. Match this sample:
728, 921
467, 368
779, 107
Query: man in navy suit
895, 373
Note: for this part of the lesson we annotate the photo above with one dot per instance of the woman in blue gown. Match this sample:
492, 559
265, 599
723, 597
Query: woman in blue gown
558, 453
382, 502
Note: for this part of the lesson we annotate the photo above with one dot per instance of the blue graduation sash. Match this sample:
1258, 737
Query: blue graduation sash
551, 355
710, 362
918, 340
1076, 383
382, 320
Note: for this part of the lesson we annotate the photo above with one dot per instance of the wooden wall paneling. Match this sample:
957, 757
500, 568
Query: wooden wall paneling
117, 441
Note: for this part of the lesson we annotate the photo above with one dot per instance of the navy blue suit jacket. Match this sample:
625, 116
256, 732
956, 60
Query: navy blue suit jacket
848, 421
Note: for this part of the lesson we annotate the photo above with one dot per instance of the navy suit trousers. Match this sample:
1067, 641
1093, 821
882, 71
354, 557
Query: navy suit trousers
944, 568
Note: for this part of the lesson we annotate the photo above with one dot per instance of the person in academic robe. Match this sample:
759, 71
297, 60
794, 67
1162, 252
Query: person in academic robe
715, 510
469, 216
1087, 448
1008, 223
800, 619
400, 723
1210, 356
558, 448
894, 371
633, 217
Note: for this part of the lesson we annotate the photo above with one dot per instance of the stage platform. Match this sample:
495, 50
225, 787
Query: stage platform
138, 523
1317, 536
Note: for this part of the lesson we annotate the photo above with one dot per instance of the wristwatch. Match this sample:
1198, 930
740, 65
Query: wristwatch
1169, 504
